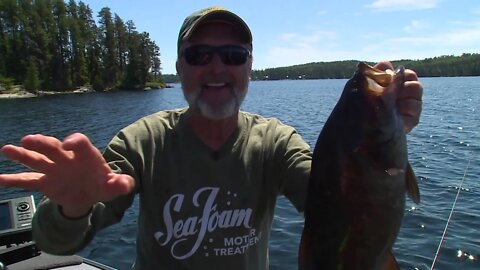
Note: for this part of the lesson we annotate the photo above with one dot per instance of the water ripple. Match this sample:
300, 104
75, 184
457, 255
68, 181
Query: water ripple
440, 147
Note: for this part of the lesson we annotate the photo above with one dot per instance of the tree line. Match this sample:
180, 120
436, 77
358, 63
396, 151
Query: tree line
466, 64
58, 46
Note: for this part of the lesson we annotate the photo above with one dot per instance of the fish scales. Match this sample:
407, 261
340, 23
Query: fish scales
359, 176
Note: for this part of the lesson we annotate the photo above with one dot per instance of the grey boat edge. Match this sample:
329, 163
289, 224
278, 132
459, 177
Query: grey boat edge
47, 261
17, 249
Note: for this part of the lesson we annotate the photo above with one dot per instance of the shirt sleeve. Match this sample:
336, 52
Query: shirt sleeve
296, 157
293, 162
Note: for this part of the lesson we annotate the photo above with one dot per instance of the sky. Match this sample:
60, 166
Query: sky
290, 32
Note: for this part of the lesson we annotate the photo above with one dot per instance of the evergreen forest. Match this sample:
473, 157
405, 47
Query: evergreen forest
61, 46
466, 64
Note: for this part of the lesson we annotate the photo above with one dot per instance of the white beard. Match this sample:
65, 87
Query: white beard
215, 113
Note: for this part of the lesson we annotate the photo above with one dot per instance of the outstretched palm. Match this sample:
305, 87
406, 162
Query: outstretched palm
71, 173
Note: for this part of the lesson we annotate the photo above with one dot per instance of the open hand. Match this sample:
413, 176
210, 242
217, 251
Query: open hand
71, 173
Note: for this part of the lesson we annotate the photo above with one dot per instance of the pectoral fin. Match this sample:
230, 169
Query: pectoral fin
412, 185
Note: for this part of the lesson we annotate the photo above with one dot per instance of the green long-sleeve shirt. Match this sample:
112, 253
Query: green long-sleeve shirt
199, 209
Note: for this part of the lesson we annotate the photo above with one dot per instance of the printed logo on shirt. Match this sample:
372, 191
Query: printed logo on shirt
188, 235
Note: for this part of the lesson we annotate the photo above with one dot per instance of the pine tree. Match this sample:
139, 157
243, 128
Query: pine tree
32, 82
109, 48
78, 66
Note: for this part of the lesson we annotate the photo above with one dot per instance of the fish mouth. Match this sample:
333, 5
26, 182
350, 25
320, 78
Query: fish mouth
376, 80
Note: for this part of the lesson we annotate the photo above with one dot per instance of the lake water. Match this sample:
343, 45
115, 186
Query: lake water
444, 144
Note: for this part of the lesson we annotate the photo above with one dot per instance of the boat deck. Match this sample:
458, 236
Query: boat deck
47, 261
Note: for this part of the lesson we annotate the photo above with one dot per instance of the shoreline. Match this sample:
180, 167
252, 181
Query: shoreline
84, 90
25, 94
17, 95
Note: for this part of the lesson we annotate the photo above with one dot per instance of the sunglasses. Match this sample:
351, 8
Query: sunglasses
200, 55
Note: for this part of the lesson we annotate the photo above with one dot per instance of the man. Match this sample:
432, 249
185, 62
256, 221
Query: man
207, 176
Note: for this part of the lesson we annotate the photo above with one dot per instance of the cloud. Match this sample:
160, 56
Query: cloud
459, 38
317, 36
322, 13
475, 10
374, 48
296, 48
414, 26
402, 5
301, 54
425, 46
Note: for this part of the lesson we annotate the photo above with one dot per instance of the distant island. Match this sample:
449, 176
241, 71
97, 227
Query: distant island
467, 64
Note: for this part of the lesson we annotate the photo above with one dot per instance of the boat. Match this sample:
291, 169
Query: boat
18, 251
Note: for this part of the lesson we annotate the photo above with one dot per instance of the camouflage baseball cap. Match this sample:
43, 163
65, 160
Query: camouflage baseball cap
191, 23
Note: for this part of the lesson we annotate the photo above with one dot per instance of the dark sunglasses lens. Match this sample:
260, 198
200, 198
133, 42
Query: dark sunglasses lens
198, 55
233, 55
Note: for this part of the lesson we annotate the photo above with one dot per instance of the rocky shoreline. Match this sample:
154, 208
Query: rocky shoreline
25, 94
82, 90
17, 95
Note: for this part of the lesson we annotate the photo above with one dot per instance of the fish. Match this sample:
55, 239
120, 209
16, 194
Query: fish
359, 178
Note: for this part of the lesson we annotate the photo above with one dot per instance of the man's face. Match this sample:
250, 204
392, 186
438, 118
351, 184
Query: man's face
215, 89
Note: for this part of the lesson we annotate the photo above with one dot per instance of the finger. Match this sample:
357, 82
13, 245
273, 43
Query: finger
410, 110
409, 122
120, 184
28, 158
31, 181
82, 147
384, 65
50, 147
410, 75
8, 151
411, 90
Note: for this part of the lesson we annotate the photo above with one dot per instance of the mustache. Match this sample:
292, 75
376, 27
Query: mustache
222, 77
